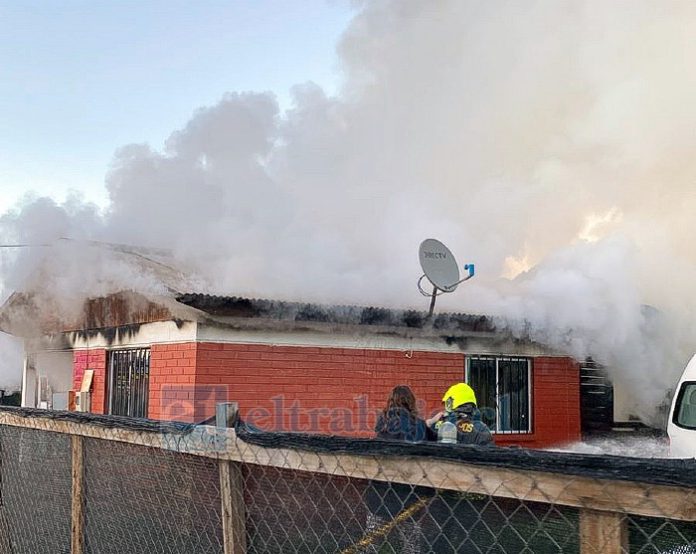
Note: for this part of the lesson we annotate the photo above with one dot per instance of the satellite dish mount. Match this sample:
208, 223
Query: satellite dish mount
440, 269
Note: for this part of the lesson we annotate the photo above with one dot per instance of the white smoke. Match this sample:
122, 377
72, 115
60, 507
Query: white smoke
11, 360
549, 143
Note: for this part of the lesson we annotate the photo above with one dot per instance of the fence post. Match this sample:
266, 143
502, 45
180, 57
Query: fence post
226, 414
77, 511
231, 489
233, 512
603, 532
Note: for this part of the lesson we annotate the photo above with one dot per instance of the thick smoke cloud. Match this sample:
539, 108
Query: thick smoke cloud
550, 143
10, 362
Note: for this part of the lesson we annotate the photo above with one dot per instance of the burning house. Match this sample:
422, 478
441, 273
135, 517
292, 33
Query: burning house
291, 366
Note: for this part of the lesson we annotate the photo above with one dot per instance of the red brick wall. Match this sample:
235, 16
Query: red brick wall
555, 404
172, 382
92, 359
328, 390
556, 400
354, 384
172, 368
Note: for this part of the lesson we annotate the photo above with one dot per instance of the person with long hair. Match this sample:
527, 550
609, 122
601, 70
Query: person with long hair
390, 504
400, 421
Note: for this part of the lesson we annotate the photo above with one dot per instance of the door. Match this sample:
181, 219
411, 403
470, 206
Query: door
129, 380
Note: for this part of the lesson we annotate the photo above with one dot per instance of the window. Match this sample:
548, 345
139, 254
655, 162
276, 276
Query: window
502, 387
685, 411
129, 377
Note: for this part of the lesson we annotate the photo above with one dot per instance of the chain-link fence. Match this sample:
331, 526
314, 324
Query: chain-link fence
79, 483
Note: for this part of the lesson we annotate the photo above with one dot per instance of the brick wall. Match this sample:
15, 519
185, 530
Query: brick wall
92, 359
327, 390
172, 382
172, 369
557, 399
555, 404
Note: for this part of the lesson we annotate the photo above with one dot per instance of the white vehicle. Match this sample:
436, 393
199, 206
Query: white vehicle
681, 426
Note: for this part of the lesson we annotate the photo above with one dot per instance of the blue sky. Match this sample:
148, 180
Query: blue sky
78, 79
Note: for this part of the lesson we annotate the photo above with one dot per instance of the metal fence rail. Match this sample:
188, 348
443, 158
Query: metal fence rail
73, 483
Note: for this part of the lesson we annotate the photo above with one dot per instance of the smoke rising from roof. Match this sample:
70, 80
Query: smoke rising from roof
550, 143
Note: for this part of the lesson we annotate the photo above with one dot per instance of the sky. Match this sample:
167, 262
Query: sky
78, 79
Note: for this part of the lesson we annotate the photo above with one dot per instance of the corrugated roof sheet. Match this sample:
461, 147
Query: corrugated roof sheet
235, 306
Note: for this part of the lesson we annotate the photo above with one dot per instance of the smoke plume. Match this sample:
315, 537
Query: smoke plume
551, 143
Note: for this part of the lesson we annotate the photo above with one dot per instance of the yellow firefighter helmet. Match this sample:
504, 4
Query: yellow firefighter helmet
457, 395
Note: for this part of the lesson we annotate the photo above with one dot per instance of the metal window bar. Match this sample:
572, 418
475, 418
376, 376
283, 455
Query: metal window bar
503, 389
513, 395
514, 391
481, 375
129, 371
596, 398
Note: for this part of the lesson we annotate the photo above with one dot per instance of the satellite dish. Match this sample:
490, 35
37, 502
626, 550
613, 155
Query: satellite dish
441, 269
439, 265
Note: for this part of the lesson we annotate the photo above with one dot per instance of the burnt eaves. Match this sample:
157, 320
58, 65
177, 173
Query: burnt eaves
220, 305
239, 307
379, 316
463, 322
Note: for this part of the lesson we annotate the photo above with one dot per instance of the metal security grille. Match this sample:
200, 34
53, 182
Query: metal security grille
503, 391
129, 378
596, 398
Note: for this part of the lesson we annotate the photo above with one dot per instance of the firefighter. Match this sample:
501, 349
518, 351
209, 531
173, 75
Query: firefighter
461, 411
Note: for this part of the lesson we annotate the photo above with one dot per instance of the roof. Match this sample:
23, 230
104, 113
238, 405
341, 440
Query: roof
131, 285
240, 307
27, 315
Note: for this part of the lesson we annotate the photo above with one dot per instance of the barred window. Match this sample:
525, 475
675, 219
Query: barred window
503, 391
129, 380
